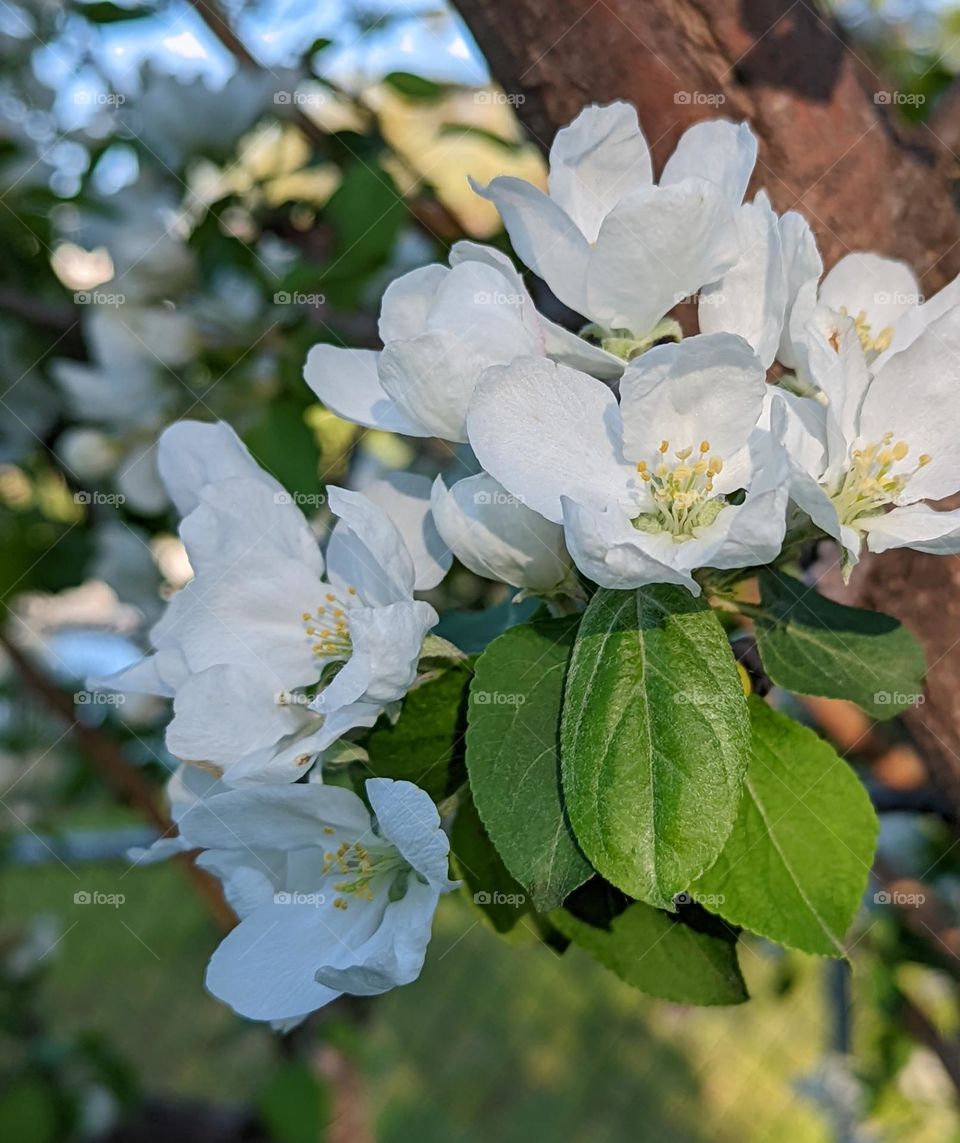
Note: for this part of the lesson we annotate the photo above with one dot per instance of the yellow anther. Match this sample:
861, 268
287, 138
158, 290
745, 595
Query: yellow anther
900, 450
329, 829
352, 590
311, 630
330, 597
305, 616
664, 445
924, 459
704, 446
683, 453
337, 613
340, 903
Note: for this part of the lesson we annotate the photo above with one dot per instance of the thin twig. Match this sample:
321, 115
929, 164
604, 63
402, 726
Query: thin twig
125, 781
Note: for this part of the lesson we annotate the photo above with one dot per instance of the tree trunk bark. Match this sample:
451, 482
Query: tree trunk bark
830, 146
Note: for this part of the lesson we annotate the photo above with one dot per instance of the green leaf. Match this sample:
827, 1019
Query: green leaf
367, 213
796, 865
283, 444
655, 739
424, 745
513, 757
686, 959
814, 646
413, 86
105, 12
486, 879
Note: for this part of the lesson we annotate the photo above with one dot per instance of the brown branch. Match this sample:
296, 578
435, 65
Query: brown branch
124, 781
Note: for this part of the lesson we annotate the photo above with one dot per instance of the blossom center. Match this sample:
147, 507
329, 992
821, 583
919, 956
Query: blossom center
873, 345
869, 485
327, 628
358, 867
682, 490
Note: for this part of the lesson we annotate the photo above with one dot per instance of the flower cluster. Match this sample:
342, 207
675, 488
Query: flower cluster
620, 457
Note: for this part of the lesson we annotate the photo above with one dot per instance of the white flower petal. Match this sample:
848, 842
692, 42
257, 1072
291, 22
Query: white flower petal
914, 396
265, 969
407, 817
751, 297
608, 549
407, 300
722, 152
346, 381
405, 497
494, 535
567, 348
191, 455
276, 818
366, 551
802, 267
882, 289
916, 526
225, 712
394, 954
544, 236
545, 431
245, 518
707, 387
595, 161
656, 247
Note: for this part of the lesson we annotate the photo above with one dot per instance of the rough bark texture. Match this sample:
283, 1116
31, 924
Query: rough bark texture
829, 146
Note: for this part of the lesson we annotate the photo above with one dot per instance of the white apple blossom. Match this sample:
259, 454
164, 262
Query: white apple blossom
775, 276
675, 478
883, 442
271, 653
495, 535
612, 244
441, 327
331, 897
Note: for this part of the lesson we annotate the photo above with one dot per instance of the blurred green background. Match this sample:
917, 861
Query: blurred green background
192, 197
